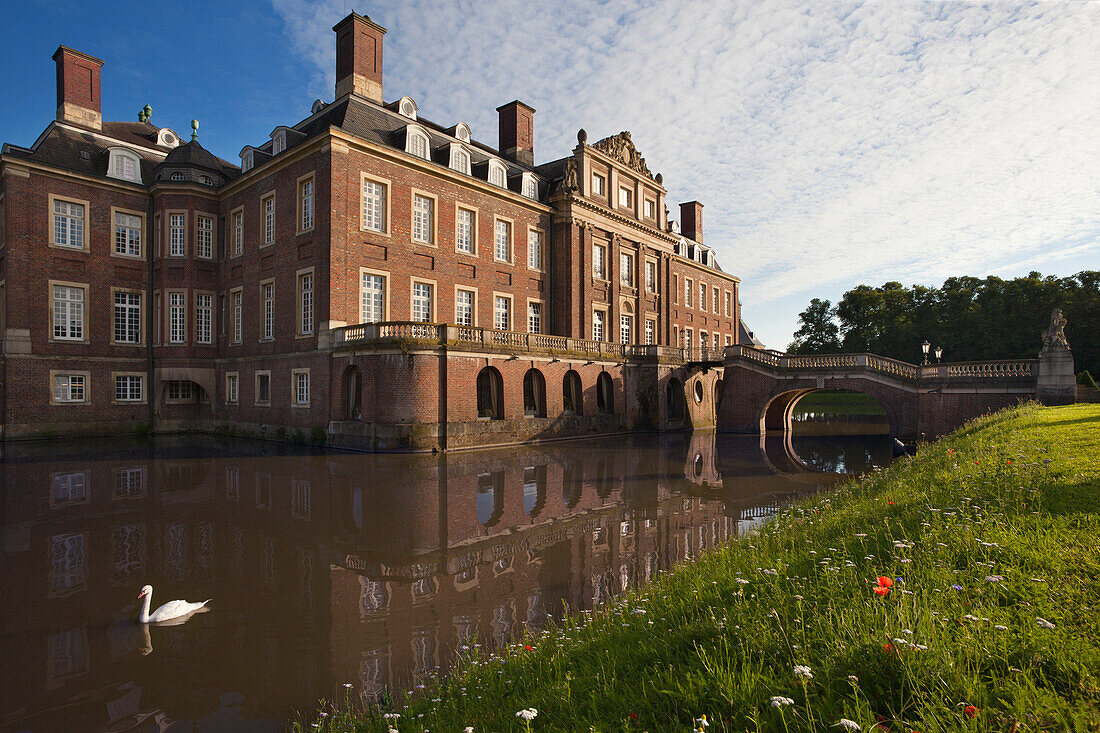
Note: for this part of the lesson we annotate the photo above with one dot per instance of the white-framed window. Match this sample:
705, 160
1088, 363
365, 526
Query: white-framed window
688, 285
68, 312
416, 143
626, 197
204, 318
714, 301
626, 269
460, 159
238, 297
238, 233
503, 241
68, 224
422, 302
177, 318
599, 261
502, 313
729, 340
729, 304
650, 276
374, 205
177, 235
305, 303
267, 297
598, 184
687, 333
70, 387
125, 166
372, 298
301, 387
497, 174
127, 234
278, 143
465, 230
268, 205
423, 229
464, 307
407, 107
530, 186
305, 196
263, 388
626, 329
703, 339
716, 336
232, 387
127, 317
650, 209
599, 326
534, 249
534, 317
650, 332
129, 387
702, 296
204, 236
246, 161
68, 488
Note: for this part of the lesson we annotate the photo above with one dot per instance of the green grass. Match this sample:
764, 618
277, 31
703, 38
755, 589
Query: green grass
839, 403
987, 531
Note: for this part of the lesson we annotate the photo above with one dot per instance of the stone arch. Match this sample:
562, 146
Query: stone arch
674, 400
490, 394
605, 394
534, 394
572, 394
776, 414
353, 393
719, 388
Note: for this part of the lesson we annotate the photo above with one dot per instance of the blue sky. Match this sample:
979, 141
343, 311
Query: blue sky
832, 144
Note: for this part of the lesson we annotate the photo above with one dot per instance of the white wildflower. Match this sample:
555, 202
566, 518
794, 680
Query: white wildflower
778, 702
998, 627
845, 723
527, 713
803, 671
1043, 623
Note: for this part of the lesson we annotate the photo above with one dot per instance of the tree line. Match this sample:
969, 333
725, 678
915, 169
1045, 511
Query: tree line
971, 319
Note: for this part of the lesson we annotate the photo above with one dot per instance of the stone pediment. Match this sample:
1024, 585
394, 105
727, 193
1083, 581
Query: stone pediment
621, 148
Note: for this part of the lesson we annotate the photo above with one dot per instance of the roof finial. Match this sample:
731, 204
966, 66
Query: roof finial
145, 114
194, 131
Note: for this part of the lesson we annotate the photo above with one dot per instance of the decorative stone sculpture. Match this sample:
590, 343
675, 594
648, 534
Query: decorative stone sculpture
582, 136
569, 180
1056, 384
619, 147
1055, 335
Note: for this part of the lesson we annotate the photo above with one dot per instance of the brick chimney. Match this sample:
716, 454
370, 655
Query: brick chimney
78, 88
359, 57
691, 220
517, 132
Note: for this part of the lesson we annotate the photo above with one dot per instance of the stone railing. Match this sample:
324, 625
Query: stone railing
1003, 369
366, 334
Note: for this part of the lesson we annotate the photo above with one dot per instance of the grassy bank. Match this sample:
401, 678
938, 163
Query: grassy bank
954, 591
839, 403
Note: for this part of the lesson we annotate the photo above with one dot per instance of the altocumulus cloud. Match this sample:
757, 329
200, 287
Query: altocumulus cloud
832, 143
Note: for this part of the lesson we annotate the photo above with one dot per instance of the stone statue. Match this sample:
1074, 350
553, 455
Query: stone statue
569, 181
621, 148
1055, 335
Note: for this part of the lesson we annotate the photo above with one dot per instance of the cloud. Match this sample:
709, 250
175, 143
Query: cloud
832, 143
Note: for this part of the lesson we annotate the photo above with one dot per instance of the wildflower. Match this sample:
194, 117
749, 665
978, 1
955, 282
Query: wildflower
993, 578
998, 627
1043, 623
848, 724
778, 702
853, 679
802, 670
347, 685
702, 722
391, 716
742, 581
633, 716
885, 581
881, 590
528, 647
970, 711
527, 713
468, 729
957, 587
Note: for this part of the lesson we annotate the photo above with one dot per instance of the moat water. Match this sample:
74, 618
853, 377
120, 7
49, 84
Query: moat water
334, 569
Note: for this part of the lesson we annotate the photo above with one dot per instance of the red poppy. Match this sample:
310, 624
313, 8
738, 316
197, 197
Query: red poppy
885, 581
888, 647
970, 711
633, 716
881, 590
528, 647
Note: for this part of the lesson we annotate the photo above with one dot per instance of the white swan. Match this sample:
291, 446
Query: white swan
167, 612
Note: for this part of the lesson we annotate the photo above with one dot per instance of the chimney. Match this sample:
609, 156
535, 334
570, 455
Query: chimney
359, 57
517, 132
78, 88
691, 220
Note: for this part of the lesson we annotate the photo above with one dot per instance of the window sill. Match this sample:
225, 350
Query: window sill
376, 232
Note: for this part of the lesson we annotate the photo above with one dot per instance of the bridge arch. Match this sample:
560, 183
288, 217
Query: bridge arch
778, 410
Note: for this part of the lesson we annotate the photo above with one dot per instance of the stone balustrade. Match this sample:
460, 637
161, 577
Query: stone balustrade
442, 334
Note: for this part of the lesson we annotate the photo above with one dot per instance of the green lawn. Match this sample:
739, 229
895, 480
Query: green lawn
990, 538
839, 403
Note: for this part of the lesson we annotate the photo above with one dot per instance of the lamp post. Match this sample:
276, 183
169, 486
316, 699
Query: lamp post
939, 353
924, 348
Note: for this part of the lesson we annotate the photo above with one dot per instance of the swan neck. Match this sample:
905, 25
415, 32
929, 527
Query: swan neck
143, 617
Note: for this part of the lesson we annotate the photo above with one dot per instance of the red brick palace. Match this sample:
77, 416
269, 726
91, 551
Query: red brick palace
364, 277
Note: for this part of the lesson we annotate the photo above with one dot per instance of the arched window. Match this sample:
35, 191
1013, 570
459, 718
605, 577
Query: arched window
530, 186
460, 159
490, 394
124, 165
572, 396
497, 174
416, 142
462, 132
674, 400
177, 176
490, 498
407, 107
534, 394
534, 489
605, 394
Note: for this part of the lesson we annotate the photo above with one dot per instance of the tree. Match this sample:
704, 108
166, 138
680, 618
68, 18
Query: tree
819, 333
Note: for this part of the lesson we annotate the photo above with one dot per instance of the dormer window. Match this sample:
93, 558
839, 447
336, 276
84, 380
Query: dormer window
460, 159
246, 161
462, 132
497, 173
278, 143
416, 142
407, 107
124, 165
177, 176
167, 139
530, 186
206, 180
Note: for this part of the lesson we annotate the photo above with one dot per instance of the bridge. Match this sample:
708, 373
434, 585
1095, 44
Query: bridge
762, 388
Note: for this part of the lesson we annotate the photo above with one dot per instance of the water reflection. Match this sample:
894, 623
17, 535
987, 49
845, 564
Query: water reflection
326, 569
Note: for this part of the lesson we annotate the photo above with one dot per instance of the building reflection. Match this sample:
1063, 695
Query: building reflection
329, 569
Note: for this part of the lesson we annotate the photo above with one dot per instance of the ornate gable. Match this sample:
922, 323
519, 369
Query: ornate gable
621, 148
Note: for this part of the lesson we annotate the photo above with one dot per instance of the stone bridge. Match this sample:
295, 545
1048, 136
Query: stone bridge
762, 388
